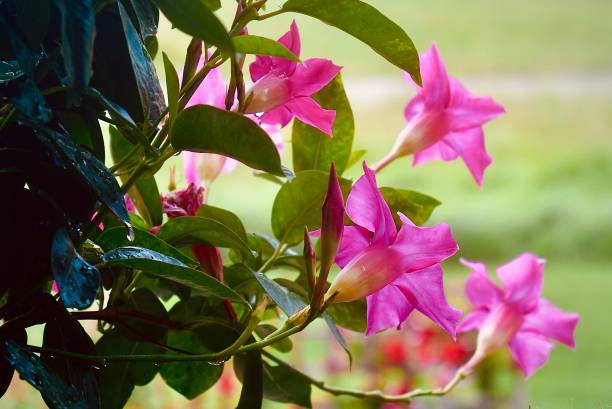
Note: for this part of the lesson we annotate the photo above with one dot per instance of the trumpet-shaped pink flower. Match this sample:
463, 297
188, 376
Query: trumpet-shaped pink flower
204, 168
283, 88
516, 315
397, 271
444, 121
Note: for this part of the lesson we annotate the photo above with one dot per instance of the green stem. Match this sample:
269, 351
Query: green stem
8, 118
278, 251
374, 394
270, 14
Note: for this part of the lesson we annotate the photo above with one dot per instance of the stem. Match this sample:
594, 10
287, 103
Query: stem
277, 252
384, 162
374, 394
270, 14
8, 118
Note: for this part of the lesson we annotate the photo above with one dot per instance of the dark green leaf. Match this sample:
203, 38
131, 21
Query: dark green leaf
9, 70
282, 345
6, 369
226, 217
172, 269
144, 301
172, 86
35, 372
63, 332
251, 396
78, 280
298, 204
196, 19
251, 44
116, 112
77, 40
364, 22
31, 104
190, 379
32, 17
350, 315
194, 229
93, 172
145, 16
417, 206
313, 149
115, 237
212, 4
151, 94
84, 129
203, 128
117, 380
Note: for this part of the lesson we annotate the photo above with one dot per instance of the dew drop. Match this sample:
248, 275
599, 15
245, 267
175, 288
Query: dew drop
130, 232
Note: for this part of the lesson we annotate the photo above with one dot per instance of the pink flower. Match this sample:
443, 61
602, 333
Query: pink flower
129, 204
185, 202
204, 168
397, 271
516, 315
444, 121
283, 88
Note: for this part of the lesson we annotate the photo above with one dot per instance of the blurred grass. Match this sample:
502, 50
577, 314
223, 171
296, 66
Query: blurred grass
548, 190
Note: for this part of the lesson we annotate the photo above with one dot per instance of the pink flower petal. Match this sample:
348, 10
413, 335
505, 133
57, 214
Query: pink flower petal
468, 111
387, 308
438, 151
522, 278
481, 291
312, 75
422, 247
470, 145
530, 351
415, 107
291, 40
277, 116
367, 208
355, 239
550, 321
212, 91
472, 321
260, 67
424, 289
436, 88
310, 112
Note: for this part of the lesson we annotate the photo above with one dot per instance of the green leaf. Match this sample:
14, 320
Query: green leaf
145, 16
116, 112
78, 280
194, 229
226, 217
77, 28
366, 23
282, 345
19, 336
313, 149
117, 380
251, 396
172, 85
355, 157
417, 206
196, 19
298, 204
203, 128
144, 301
84, 128
252, 44
349, 315
190, 379
162, 266
32, 16
114, 237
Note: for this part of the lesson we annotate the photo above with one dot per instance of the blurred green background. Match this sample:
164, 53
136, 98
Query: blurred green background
549, 190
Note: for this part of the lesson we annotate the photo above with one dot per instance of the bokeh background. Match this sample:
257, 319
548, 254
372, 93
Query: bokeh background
548, 191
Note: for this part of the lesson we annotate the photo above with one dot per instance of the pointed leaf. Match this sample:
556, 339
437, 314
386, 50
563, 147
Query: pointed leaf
203, 128
417, 206
252, 44
366, 23
172, 85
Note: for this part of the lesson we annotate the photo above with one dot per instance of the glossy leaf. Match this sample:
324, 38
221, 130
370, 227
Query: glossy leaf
190, 379
252, 44
169, 268
114, 237
145, 17
313, 149
93, 172
366, 23
187, 230
19, 336
35, 372
78, 280
203, 128
117, 380
9, 71
116, 112
172, 86
224, 216
77, 17
417, 206
196, 19
298, 204
150, 92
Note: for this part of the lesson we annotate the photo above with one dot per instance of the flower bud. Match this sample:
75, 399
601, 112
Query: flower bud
267, 93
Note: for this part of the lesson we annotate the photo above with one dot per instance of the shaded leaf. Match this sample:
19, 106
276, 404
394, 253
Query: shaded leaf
197, 20
78, 280
190, 379
32, 17
252, 44
224, 216
282, 345
19, 336
350, 315
252, 393
313, 149
144, 301
172, 269
172, 86
203, 128
366, 23
417, 206
145, 17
